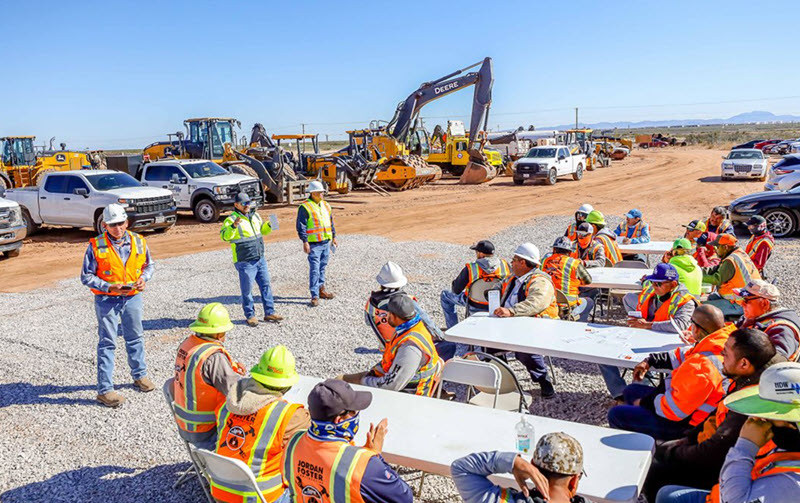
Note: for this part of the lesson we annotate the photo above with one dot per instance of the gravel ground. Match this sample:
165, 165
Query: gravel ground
62, 446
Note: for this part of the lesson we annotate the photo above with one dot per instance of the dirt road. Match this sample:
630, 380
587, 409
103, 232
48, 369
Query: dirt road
671, 186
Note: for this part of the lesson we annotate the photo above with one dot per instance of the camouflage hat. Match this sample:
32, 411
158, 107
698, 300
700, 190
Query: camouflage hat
559, 453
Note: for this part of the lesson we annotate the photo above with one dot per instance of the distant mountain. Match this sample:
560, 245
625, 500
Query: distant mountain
744, 118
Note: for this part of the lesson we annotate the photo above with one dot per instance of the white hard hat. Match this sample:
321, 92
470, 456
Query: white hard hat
529, 252
391, 276
585, 208
315, 186
114, 214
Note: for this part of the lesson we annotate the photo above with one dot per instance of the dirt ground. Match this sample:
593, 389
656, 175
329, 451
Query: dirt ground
671, 186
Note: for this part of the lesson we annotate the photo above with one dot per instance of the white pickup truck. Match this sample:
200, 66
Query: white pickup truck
548, 163
77, 198
12, 228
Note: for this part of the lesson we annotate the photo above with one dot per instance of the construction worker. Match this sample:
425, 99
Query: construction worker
606, 238
759, 247
204, 373
410, 362
529, 292
245, 231
322, 465
486, 267
580, 217
718, 223
391, 281
764, 463
116, 266
568, 275
590, 252
695, 387
734, 271
255, 423
634, 230
762, 310
704, 253
316, 230
691, 275
555, 470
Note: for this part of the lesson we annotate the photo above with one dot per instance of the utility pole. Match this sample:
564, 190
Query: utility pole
304, 140
576, 117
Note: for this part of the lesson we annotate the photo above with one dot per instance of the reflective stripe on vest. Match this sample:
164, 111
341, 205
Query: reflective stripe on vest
427, 375
109, 263
550, 311
572, 232
755, 241
564, 272
667, 309
745, 272
188, 412
768, 324
319, 224
666, 407
637, 230
613, 255
476, 273
195, 400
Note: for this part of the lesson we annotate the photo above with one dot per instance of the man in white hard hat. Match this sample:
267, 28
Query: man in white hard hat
580, 217
529, 291
116, 266
316, 230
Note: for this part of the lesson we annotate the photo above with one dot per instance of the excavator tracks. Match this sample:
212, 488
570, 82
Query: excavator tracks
407, 172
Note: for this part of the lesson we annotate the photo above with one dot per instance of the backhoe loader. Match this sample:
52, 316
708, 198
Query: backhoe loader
21, 165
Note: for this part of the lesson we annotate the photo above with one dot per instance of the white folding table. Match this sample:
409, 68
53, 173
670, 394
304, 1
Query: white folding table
429, 434
616, 277
651, 248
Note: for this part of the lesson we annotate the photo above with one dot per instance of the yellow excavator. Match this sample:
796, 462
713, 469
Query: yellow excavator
21, 165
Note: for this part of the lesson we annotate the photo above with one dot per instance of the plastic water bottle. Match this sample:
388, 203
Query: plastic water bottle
524, 435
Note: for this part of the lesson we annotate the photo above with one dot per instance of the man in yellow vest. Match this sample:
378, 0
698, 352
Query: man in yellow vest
734, 271
204, 373
116, 266
245, 231
255, 424
316, 230
322, 465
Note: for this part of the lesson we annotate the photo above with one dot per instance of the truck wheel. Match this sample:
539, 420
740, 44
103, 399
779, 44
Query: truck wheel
13, 253
578, 174
98, 223
206, 211
552, 175
518, 181
29, 223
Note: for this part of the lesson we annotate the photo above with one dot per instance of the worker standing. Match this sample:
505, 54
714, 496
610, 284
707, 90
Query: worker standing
568, 275
245, 231
761, 243
605, 237
116, 266
580, 217
735, 270
718, 223
316, 230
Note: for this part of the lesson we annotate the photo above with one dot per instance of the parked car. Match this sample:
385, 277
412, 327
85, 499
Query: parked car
749, 144
794, 148
780, 209
548, 163
763, 145
654, 143
784, 174
744, 163
77, 199
781, 148
12, 227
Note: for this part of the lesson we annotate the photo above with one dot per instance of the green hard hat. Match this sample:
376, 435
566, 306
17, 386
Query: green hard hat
682, 243
276, 368
595, 217
212, 319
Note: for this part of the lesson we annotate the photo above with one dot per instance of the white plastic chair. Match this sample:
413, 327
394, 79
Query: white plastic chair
226, 471
472, 373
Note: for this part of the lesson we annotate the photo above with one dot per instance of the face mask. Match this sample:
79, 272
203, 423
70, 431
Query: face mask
325, 430
584, 241
786, 438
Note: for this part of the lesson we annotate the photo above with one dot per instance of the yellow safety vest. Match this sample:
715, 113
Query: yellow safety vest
319, 226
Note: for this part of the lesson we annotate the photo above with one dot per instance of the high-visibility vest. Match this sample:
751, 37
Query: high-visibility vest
247, 242
109, 264
588, 253
623, 229
717, 229
711, 425
563, 270
745, 272
551, 311
766, 324
769, 461
426, 377
572, 231
756, 242
476, 273
667, 309
694, 368
319, 226
257, 440
317, 471
613, 255
195, 400
378, 318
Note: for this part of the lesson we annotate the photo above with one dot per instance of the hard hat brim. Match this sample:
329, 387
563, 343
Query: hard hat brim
200, 328
529, 259
747, 402
117, 220
275, 382
394, 284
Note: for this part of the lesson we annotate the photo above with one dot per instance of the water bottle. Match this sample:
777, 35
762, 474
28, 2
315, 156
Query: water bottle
524, 436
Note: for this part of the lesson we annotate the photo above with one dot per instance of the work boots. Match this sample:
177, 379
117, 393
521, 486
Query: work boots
111, 399
273, 318
144, 384
252, 322
324, 294
314, 302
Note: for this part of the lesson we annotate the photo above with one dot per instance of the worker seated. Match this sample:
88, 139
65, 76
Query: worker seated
704, 253
762, 310
734, 271
633, 231
605, 237
580, 217
590, 252
689, 272
718, 222
255, 424
759, 247
568, 275
555, 470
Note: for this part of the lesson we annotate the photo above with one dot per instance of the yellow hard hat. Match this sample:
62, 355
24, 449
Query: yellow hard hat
212, 319
276, 368
595, 217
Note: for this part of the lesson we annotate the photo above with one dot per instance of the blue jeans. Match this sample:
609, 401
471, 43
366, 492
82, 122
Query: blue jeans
681, 494
614, 380
317, 261
634, 418
117, 314
255, 271
535, 365
583, 309
449, 301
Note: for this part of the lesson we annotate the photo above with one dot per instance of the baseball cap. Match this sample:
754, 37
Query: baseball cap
332, 397
483, 246
663, 272
755, 220
696, 225
759, 288
559, 453
724, 239
584, 229
682, 243
402, 306
776, 397
634, 213
242, 198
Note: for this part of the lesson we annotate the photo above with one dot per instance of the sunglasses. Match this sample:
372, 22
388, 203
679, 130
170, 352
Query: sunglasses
118, 224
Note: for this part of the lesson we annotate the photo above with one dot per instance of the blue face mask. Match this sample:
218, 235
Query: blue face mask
329, 431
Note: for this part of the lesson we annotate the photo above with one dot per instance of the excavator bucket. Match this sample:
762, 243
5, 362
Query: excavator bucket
478, 170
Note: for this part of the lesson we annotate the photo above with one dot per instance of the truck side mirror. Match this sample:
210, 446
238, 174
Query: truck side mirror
176, 178
81, 192
561, 158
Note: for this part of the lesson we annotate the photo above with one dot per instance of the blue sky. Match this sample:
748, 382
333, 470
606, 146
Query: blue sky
123, 74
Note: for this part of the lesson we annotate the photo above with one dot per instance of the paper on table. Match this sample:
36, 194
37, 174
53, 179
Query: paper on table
494, 300
273, 222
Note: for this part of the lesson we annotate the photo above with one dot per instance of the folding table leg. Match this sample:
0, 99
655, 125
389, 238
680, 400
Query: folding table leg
421, 481
185, 476
552, 369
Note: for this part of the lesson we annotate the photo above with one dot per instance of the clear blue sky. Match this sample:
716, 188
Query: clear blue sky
122, 74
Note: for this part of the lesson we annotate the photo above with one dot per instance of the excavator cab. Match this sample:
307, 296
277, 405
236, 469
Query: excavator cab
21, 166
18, 150
205, 138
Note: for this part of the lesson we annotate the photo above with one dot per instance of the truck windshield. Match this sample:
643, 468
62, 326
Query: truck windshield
542, 153
204, 169
110, 181
221, 133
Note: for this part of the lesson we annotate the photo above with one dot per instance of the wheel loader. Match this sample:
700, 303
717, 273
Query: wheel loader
449, 149
21, 165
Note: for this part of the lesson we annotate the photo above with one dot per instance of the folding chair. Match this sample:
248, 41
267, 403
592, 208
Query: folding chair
229, 472
473, 373
511, 396
195, 469
479, 290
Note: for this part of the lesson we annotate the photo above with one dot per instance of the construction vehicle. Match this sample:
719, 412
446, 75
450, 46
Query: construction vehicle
350, 167
580, 141
449, 150
21, 165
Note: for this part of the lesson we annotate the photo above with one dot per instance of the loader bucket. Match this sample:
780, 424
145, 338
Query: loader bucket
476, 173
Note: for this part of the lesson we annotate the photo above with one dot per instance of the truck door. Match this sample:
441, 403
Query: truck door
179, 185
54, 200
77, 210
563, 161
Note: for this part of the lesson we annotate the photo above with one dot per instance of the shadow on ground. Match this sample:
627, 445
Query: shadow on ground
23, 393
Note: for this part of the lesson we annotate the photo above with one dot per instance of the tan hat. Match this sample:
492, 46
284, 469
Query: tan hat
559, 453
760, 288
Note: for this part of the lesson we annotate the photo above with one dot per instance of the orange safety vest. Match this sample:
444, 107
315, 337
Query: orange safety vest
109, 264
589, 253
550, 311
564, 272
637, 230
694, 368
756, 242
257, 440
767, 324
476, 273
572, 231
319, 226
667, 309
317, 471
427, 376
613, 255
195, 400
769, 461
745, 272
